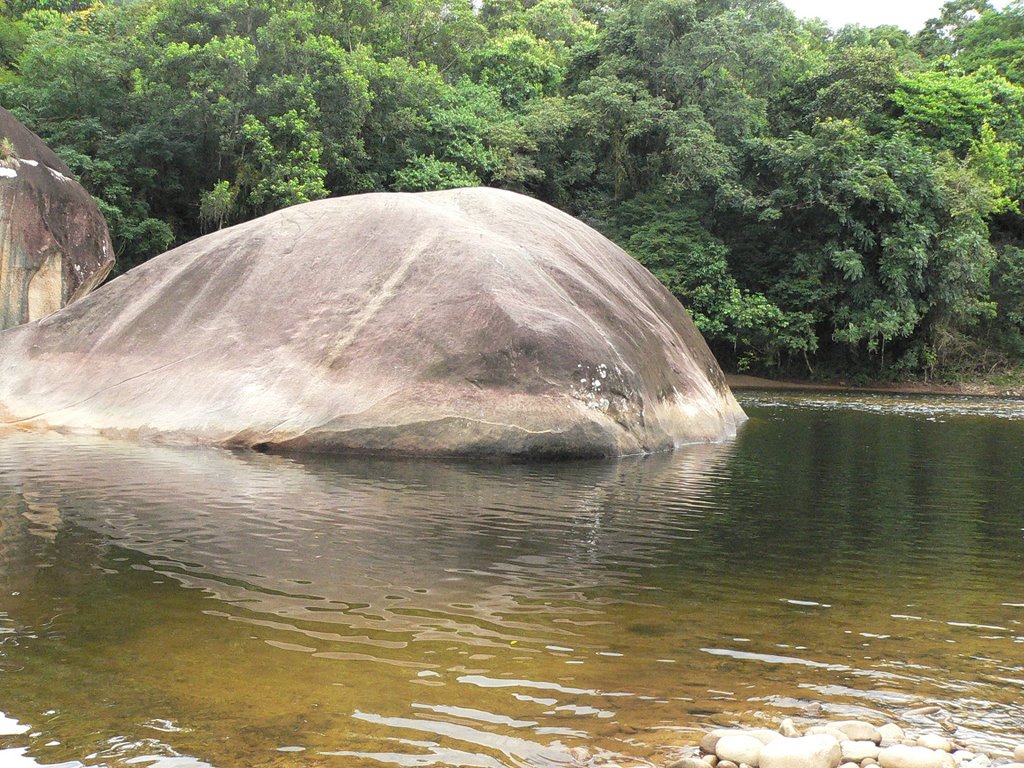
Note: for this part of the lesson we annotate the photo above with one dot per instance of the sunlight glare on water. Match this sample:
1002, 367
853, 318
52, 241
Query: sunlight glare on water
191, 607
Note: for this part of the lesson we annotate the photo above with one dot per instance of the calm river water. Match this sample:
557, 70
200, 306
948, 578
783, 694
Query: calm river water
180, 607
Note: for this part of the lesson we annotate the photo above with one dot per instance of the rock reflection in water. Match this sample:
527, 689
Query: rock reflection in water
483, 568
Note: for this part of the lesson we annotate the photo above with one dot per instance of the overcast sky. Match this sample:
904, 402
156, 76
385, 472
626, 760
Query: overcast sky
909, 14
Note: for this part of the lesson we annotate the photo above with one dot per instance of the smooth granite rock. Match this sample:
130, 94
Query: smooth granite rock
465, 322
54, 244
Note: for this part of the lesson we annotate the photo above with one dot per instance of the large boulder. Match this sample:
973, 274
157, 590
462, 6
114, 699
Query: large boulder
464, 322
54, 244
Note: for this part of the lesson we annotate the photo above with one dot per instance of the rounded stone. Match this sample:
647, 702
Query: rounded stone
689, 762
902, 756
740, 748
788, 729
813, 751
764, 735
727, 764
890, 732
467, 322
933, 741
858, 730
849, 765
710, 739
829, 730
855, 751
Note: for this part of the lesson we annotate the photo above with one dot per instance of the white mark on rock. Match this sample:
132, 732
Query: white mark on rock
8, 173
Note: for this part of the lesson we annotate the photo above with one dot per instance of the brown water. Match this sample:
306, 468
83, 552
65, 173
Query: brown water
179, 607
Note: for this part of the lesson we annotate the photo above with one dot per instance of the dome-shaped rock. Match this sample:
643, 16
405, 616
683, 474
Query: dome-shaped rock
464, 322
54, 244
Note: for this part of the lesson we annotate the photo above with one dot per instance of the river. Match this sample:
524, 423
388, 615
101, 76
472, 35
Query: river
183, 607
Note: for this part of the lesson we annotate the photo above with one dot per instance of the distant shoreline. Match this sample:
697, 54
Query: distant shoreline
974, 389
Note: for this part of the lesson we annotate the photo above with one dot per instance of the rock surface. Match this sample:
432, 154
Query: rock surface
740, 748
464, 322
902, 756
54, 244
817, 751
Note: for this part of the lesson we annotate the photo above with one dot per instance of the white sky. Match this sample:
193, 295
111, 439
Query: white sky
909, 14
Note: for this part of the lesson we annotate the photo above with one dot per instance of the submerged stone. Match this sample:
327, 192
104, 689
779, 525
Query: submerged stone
464, 322
54, 244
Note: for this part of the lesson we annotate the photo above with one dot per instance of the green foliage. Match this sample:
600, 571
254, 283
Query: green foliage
845, 200
424, 173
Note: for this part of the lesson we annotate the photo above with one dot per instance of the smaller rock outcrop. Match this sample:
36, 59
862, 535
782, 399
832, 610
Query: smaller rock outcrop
54, 244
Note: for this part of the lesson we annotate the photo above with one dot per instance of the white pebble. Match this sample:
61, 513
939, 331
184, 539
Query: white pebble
902, 756
814, 751
739, 748
859, 750
933, 741
891, 732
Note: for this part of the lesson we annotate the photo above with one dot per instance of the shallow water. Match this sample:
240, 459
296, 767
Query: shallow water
182, 607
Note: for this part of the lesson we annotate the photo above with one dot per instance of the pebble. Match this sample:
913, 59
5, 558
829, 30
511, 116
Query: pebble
856, 751
849, 765
727, 764
827, 730
740, 748
788, 728
902, 756
710, 740
814, 751
689, 762
764, 735
932, 741
891, 732
858, 730
711, 760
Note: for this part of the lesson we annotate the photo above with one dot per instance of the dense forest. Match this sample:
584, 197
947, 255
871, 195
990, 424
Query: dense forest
825, 202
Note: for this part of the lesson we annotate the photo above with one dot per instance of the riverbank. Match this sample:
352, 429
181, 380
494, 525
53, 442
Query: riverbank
974, 389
